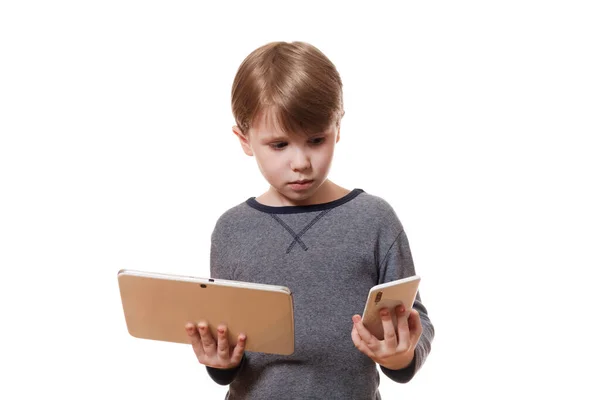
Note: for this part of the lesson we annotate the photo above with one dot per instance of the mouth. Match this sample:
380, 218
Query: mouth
301, 185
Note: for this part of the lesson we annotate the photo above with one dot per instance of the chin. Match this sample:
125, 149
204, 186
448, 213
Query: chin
303, 197
292, 195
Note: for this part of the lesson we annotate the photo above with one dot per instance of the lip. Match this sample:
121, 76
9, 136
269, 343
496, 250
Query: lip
301, 185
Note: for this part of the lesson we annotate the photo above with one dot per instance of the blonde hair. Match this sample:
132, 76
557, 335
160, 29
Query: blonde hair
293, 82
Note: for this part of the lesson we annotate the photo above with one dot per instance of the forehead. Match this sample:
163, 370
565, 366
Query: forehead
267, 126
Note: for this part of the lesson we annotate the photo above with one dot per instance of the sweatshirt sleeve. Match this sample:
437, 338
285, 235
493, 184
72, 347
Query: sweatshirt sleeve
225, 376
397, 264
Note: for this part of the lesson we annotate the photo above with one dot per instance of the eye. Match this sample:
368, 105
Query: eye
278, 145
317, 141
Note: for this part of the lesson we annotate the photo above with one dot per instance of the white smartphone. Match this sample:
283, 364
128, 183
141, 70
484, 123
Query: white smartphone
389, 295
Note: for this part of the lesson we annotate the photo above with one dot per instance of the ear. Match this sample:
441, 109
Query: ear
243, 140
337, 136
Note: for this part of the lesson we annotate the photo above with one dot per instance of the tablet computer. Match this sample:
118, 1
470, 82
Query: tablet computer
390, 295
158, 306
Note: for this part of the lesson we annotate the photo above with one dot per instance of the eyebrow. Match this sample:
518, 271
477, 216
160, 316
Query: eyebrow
276, 138
284, 138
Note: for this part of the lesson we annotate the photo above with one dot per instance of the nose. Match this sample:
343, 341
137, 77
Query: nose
300, 160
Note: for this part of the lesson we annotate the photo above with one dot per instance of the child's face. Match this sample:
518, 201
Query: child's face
294, 165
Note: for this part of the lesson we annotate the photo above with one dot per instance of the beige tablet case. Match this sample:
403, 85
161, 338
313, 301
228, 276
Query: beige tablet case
390, 295
157, 307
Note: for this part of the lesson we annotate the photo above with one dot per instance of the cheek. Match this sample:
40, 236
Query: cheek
323, 160
267, 163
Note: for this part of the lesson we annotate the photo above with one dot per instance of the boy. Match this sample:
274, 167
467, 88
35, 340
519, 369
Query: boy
328, 244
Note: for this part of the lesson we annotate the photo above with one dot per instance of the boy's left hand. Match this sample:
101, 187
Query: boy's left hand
395, 351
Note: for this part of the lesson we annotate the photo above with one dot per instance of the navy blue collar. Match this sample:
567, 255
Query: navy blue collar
303, 209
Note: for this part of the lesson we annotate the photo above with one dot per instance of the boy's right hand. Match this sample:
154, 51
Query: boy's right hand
215, 354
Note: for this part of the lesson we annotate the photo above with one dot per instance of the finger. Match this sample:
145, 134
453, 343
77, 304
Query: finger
195, 339
190, 329
403, 330
223, 343
359, 344
238, 351
415, 325
369, 340
208, 342
389, 330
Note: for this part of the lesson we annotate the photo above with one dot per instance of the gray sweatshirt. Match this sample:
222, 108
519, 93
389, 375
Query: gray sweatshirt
329, 255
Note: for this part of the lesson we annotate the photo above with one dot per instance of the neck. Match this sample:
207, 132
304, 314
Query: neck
326, 193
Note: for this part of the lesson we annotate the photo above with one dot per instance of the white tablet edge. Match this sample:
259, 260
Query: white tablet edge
194, 279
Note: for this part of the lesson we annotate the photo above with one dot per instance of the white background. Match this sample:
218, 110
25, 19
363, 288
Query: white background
478, 121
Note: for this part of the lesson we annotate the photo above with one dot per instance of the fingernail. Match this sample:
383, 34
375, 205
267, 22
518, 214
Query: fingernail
384, 311
355, 318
